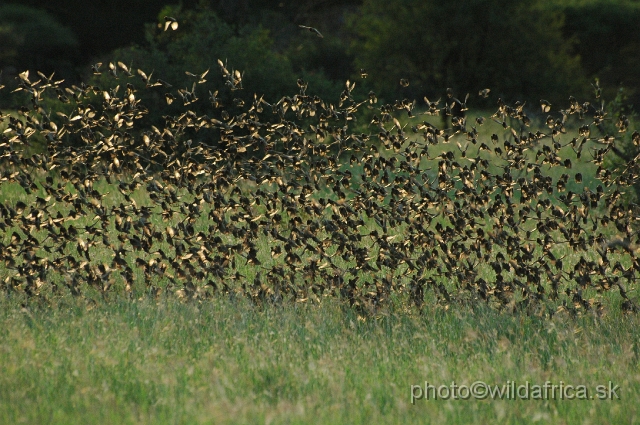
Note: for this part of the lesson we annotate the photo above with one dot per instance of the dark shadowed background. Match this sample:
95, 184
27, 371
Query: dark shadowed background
520, 50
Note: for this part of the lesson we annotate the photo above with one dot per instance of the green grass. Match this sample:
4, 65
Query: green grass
228, 362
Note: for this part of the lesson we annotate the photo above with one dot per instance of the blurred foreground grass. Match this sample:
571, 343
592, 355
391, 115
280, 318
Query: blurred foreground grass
228, 361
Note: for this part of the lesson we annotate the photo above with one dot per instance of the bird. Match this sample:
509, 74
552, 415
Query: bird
199, 77
545, 105
313, 30
125, 69
147, 79
170, 22
288, 200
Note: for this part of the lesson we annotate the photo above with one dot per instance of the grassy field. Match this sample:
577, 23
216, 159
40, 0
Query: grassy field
254, 269
226, 361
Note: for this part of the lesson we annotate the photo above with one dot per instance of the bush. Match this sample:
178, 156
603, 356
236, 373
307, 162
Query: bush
201, 40
607, 40
32, 39
509, 47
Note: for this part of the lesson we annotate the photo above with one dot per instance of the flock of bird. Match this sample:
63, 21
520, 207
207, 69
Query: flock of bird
299, 199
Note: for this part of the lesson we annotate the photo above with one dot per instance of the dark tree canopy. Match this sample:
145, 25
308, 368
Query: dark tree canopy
514, 48
33, 39
520, 50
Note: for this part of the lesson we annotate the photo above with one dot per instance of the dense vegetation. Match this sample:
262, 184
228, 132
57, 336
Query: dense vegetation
523, 51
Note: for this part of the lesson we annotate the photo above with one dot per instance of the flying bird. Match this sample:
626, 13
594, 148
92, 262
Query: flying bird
484, 93
170, 22
96, 68
545, 105
312, 30
199, 77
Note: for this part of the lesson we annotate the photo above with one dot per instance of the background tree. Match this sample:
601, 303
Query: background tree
33, 39
521, 50
606, 36
101, 26
202, 39
516, 49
